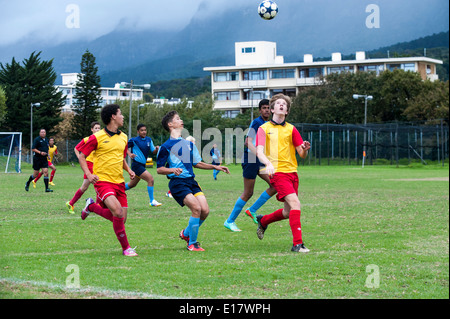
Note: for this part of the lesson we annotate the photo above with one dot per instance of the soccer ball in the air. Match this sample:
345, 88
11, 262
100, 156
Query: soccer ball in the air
267, 9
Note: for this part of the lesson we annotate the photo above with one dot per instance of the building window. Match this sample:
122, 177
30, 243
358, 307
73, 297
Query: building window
402, 66
113, 93
226, 76
231, 114
282, 73
339, 69
248, 50
254, 75
288, 92
227, 95
310, 72
371, 68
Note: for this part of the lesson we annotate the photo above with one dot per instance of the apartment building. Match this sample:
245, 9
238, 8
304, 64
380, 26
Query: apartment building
260, 73
109, 94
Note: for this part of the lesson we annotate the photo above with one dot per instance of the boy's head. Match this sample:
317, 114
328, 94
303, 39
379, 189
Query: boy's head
264, 108
51, 141
280, 96
142, 130
108, 111
168, 120
95, 127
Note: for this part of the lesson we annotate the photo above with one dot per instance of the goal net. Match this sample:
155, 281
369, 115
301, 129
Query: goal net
10, 152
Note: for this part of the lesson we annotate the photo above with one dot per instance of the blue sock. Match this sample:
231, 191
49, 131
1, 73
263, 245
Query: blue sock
194, 224
127, 187
260, 201
236, 210
150, 193
186, 230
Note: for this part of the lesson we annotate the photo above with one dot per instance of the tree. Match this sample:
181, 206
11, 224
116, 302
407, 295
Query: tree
87, 99
2, 106
32, 82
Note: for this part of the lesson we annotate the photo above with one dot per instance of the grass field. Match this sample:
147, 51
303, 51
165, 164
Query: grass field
360, 224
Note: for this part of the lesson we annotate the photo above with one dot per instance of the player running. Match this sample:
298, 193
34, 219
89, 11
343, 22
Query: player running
139, 148
40, 161
250, 170
176, 159
52, 151
276, 144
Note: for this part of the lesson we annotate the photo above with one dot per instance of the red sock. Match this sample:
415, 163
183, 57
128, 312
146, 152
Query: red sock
76, 197
296, 226
52, 174
119, 229
271, 218
104, 212
37, 177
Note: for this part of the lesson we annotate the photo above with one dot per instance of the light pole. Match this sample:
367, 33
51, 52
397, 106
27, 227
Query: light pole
31, 129
139, 106
366, 98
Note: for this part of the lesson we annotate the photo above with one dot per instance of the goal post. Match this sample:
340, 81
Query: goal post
10, 152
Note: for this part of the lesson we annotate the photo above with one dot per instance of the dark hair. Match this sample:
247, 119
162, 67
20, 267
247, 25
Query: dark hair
108, 111
168, 118
94, 124
51, 138
140, 126
263, 102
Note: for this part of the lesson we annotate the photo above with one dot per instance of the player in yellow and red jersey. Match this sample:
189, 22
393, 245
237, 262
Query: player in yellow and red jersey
276, 144
110, 146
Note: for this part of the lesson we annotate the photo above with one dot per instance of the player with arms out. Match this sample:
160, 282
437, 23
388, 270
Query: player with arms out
176, 159
276, 144
139, 148
110, 146
95, 127
250, 170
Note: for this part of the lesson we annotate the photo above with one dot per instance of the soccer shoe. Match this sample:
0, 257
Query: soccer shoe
70, 208
85, 212
300, 248
169, 195
261, 229
34, 183
195, 247
51, 183
27, 186
155, 203
185, 238
251, 215
130, 252
48, 190
231, 226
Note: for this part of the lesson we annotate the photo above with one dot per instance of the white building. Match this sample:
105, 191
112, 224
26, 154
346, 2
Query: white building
260, 73
109, 94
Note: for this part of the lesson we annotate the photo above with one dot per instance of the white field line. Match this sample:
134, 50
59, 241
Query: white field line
88, 290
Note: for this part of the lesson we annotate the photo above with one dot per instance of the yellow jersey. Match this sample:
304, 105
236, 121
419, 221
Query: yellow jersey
52, 150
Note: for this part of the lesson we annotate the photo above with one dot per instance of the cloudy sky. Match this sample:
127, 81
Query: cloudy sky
55, 21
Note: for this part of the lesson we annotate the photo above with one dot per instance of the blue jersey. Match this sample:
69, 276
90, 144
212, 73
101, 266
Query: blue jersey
141, 147
215, 154
178, 153
248, 156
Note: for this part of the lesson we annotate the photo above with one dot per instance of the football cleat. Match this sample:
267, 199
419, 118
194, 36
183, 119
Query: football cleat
231, 226
34, 183
27, 187
155, 203
85, 212
185, 238
261, 229
48, 190
195, 247
168, 194
300, 248
51, 183
130, 252
251, 215
70, 208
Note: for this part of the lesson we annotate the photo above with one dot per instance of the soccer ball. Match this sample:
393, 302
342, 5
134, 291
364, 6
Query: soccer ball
267, 9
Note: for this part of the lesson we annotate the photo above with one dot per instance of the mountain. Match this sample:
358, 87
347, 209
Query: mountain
318, 27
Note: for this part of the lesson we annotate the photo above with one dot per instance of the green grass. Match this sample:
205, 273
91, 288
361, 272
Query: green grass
394, 218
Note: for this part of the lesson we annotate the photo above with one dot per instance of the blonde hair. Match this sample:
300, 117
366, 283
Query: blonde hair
283, 97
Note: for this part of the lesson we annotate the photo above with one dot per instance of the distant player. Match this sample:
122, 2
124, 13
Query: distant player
110, 146
251, 167
276, 144
176, 159
52, 151
139, 148
95, 127
40, 160
216, 159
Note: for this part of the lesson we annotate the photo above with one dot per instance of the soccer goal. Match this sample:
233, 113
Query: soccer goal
10, 152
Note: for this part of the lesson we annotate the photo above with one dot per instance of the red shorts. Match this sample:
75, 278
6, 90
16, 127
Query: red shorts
90, 165
106, 189
50, 163
285, 184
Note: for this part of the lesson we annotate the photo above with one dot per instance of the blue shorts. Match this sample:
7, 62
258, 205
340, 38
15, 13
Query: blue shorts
181, 187
138, 168
251, 170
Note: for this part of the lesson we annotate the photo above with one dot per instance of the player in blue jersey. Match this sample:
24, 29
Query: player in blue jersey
139, 148
176, 159
216, 159
250, 169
